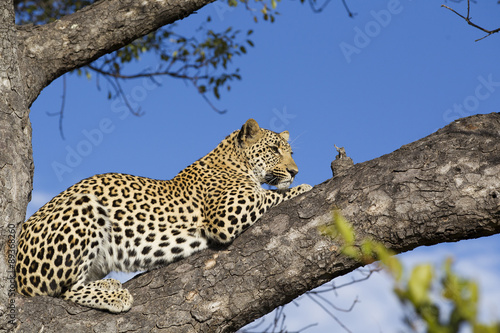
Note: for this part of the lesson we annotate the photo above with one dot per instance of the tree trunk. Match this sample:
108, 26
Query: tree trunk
444, 187
16, 161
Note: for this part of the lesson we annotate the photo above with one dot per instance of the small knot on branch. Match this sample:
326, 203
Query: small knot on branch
341, 163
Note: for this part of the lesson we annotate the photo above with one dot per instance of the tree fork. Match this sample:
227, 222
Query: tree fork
51, 50
444, 187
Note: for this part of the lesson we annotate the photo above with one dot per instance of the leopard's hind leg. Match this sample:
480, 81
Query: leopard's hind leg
106, 294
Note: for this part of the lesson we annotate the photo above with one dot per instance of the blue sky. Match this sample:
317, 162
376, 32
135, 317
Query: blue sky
394, 73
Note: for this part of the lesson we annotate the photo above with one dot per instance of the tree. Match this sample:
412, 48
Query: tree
218, 293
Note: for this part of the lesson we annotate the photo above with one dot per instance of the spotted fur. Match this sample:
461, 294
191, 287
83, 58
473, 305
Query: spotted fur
118, 222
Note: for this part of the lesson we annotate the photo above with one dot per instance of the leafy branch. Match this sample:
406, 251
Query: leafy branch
190, 59
424, 292
202, 60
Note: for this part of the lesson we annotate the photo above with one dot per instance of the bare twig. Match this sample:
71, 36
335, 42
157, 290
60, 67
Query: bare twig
324, 299
315, 9
61, 111
141, 75
469, 22
114, 77
319, 9
329, 313
333, 287
193, 81
276, 326
351, 14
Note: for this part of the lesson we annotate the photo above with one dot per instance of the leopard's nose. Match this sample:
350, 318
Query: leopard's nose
292, 171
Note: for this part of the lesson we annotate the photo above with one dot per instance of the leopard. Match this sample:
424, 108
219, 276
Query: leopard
124, 223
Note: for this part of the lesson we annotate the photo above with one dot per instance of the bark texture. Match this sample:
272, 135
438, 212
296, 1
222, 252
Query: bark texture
444, 187
16, 163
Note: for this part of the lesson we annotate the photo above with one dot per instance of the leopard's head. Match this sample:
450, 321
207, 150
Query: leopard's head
268, 154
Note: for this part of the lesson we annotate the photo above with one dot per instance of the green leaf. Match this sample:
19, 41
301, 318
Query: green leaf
395, 267
481, 328
328, 230
351, 252
419, 284
343, 227
367, 248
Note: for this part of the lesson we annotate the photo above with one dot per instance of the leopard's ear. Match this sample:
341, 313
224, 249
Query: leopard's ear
249, 133
285, 135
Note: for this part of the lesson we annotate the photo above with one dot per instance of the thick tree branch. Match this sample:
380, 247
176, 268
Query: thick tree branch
50, 50
442, 188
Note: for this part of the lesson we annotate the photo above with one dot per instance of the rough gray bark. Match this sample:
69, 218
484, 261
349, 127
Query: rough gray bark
444, 187
16, 163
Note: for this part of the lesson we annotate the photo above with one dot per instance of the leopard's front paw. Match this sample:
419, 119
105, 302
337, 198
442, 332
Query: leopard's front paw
304, 188
297, 190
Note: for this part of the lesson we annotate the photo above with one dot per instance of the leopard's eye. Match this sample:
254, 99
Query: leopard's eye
275, 149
